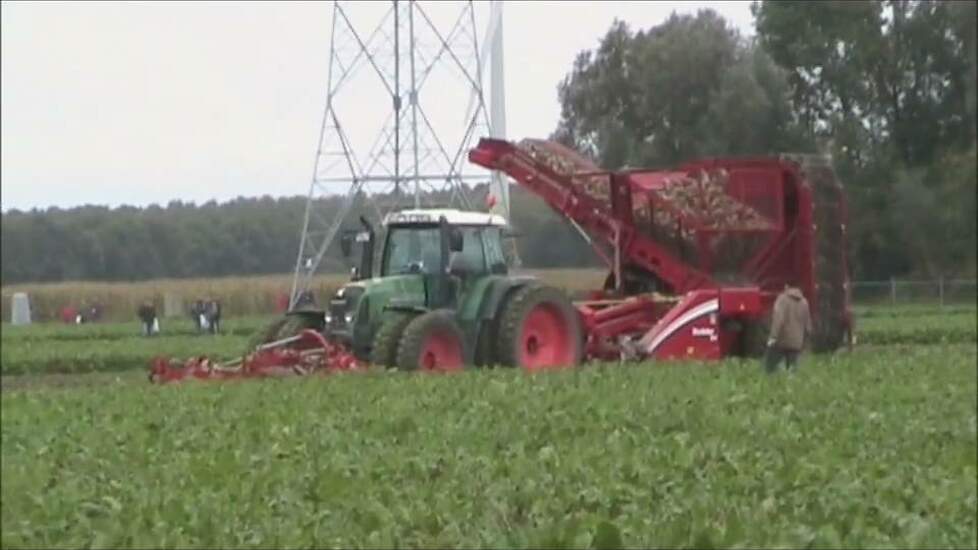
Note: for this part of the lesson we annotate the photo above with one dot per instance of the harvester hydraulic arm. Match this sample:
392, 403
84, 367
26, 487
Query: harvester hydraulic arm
563, 195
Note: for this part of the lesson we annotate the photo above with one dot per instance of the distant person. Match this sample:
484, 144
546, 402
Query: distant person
68, 315
95, 312
197, 314
791, 330
80, 313
147, 314
212, 312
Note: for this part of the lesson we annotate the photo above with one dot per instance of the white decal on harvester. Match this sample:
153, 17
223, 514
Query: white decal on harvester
706, 308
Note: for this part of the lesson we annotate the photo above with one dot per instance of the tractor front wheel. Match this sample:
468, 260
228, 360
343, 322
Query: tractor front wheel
384, 350
539, 328
283, 327
432, 342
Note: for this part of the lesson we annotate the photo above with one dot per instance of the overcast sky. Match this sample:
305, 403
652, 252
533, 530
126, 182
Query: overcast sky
138, 103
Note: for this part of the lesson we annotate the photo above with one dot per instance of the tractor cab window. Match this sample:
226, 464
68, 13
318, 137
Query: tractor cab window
412, 250
472, 258
495, 258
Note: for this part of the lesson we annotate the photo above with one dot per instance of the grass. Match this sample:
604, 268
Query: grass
109, 347
875, 448
47, 332
923, 326
52, 348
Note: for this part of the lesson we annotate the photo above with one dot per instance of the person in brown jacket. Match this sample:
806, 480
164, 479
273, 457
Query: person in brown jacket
791, 328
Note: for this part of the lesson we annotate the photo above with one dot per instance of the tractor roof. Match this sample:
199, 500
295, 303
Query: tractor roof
453, 216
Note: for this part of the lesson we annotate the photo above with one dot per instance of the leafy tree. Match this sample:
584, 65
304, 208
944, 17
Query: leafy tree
889, 87
243, 236
686, 88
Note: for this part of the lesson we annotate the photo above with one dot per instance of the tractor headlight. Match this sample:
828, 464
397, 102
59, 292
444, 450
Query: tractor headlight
348, 318
329, 318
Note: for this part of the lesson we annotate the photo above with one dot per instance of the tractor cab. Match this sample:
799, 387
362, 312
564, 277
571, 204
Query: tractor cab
435, 242
431, 259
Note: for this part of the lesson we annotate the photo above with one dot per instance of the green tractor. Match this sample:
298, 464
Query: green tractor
443, 298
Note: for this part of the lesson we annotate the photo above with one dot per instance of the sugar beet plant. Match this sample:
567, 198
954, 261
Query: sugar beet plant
873, 448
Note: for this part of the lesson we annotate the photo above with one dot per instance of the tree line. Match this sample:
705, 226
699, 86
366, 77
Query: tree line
887, 88
252, 236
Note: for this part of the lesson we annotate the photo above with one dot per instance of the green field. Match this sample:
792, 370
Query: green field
873, 448
65, 349
54, 348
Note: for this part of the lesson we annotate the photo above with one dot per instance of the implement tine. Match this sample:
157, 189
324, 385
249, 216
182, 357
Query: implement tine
278, 343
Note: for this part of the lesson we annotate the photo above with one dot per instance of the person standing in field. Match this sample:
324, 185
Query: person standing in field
68, 315
213, 313
197, 313
791, 329
147, 314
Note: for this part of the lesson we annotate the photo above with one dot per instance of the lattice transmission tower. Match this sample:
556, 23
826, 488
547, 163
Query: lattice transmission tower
405, 102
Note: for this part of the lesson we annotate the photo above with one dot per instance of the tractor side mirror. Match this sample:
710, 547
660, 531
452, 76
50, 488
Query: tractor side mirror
455, 240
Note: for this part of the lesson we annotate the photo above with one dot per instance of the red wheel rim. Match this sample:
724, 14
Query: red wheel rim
546, 341
441, 352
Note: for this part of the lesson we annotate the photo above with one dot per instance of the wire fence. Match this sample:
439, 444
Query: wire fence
909, 292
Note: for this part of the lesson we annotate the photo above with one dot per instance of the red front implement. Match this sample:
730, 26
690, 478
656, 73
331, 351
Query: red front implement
305, 353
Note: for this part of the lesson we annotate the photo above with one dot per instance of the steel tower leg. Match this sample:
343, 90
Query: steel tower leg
364, 69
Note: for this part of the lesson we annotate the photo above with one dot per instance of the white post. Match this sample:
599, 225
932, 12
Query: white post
20, 306
497, 97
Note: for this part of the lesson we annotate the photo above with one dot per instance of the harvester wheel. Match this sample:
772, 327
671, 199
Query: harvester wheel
432, 341
384, 350
539, 328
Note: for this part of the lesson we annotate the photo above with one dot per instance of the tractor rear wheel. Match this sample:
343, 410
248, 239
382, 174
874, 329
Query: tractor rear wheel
539, 328
433, 342
384, 350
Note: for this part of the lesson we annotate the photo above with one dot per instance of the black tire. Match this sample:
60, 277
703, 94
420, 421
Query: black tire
384, 350
512, 324
415, 349
283, 327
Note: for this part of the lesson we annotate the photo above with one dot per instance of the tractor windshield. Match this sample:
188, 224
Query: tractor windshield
417, 249
412, 249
